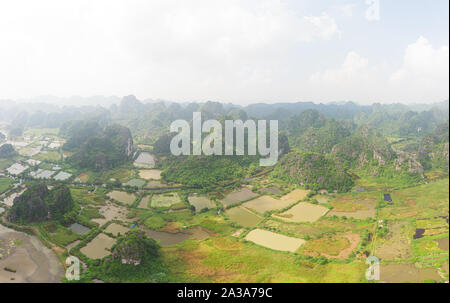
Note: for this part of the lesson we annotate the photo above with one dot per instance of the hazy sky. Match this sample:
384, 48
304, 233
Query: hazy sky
240, 51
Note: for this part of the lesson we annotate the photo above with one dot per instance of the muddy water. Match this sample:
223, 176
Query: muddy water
303, 212
167, 239
407, 273
200, 203
115, 229
122, 196
32, 261
419, 233
266, 203
238, 196
274, 240
150, 174
98, 247
112, 211
79, 229
443, 243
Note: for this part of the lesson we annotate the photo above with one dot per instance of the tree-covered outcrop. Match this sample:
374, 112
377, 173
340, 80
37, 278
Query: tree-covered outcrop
39, 204
7, 151
314, 171
97, 148
134, 248
433, 151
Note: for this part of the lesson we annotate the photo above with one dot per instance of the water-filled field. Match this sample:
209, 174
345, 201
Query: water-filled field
237, 196
61, 176
274, 241
150, 174
32, 261
165, 200
295, 195
135, 183
407, 273
98, 247
112, 211
155, 184
115, 229
145, 202
79, 229
243, 216
201, 202
303, 212
122, 197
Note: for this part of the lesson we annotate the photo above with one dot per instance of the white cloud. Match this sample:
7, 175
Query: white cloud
424, 73
181, 50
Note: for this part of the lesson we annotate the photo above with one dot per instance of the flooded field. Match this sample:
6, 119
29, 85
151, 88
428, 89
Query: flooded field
79, 229
135, 183
145, 160
396, 244
443, 243
359, 209
303, 212
98, 247
155, 184
243, 216
150, 174
267, 203
201, 202
295, 195
61, 176
122, 197
144, 202
32, 261
407, 273
274, 240
115, 229
167, 239
112, 211
238, 196
165, 200
271, 190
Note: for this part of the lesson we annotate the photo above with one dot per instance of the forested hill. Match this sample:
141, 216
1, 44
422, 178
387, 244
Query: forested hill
95, 147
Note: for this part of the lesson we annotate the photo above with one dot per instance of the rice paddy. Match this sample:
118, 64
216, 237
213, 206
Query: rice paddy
407, 273
99, 247
145, 160
116, 229
201, 202
303, 212
135, 183
165, 200
150, 174
274, 241
237, 196
123, 197
243, 216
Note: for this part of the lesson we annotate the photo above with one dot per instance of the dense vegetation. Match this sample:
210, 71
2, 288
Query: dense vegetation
38, 204
7, 151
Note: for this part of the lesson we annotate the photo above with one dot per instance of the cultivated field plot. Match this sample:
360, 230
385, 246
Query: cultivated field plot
155, 184
237, 196
79, 229
407, 273
396, 244
42, 174
295, 195
165, 200
145, 160
355, 205
61, 176
145, 202
111, 211
116, 229
322, 199
5, 184
423, 201
99, 247
122, 197
84, 177
274, 241
135, 183
303, 212
332, 246
443, 243
201, 202
270, 190
243, 216
150, 174
168, 239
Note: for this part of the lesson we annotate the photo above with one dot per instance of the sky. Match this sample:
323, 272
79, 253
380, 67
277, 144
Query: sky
238, 51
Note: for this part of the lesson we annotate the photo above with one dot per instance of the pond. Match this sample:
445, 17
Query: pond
99, 247
419, 233
79, 229
274, 241
145, 160
243, 216
167, 239
122, 197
